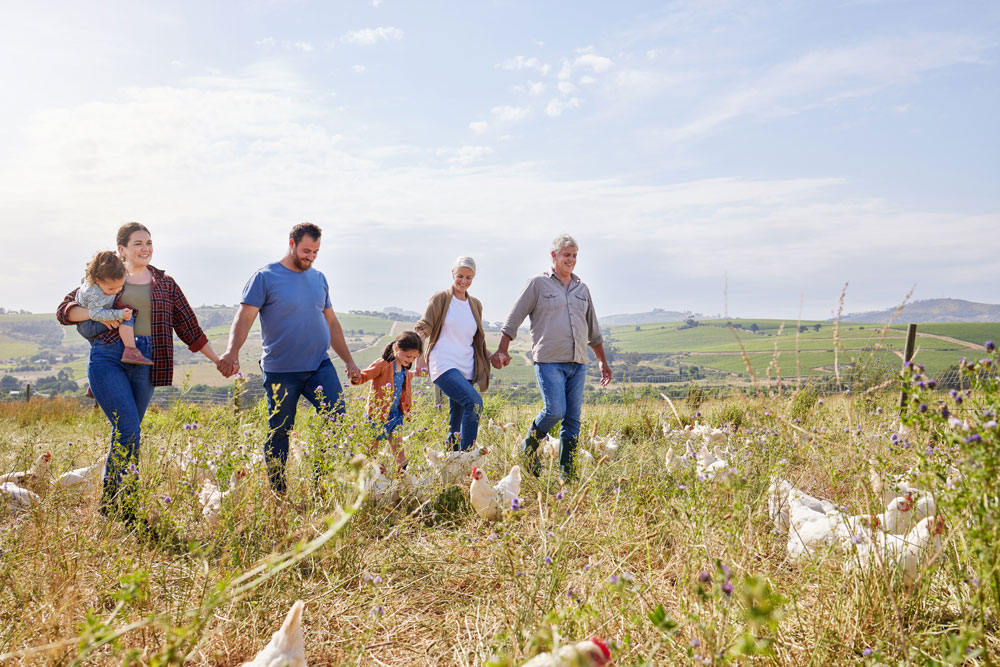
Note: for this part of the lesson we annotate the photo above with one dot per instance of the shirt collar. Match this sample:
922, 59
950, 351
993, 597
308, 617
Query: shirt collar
573, 278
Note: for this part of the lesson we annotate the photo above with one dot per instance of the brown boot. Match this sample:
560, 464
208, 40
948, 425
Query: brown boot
132, 355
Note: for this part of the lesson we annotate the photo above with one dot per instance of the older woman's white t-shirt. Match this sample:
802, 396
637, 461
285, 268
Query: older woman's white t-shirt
453, 348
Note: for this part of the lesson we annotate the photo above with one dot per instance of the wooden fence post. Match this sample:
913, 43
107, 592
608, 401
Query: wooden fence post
27, 393
911, 340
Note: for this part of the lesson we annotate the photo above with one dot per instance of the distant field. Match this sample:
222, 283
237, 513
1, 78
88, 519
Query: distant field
711, 346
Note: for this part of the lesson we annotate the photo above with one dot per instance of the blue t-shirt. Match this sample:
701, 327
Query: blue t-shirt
292, 325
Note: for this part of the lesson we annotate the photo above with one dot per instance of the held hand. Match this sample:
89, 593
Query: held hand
228, 364
126, 313
112, 324
499, 359
605, 373
353, 372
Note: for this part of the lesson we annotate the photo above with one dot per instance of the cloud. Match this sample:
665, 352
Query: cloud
358, 69
271, 42
509, 113
465, 155
556, 106
255, 151
593, 61
371, 36
565, 87
824, 77
479, 126
521, 62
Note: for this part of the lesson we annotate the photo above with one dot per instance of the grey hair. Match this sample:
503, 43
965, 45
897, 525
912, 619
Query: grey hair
465, 261
563, 241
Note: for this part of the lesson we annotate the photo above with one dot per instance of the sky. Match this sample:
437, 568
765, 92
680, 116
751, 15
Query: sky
740, 158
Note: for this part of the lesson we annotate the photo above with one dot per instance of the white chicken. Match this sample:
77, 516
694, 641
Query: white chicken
287, 647
609, 446
898, 517
809, 530
34, 479
892, 486
18, 499
551, 446
779, 495
592, 652
484, 497
211, 497
453, 465
86, 478
509, 487
907, 553
586, 457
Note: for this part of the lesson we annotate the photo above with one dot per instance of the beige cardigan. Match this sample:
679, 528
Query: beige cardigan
431, 323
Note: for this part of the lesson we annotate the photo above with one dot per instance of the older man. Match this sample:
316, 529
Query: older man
563, 324
297, 325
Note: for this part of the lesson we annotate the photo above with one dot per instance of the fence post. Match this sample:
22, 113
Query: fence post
911, 340
27, 393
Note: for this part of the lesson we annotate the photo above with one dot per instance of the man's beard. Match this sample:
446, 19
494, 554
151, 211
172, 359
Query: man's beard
301, 264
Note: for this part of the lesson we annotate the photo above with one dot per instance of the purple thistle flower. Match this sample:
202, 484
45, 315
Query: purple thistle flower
867, 652
990, 346
705, 577
991, 425
923, 407
727, 588
515, 504
945, 412
613, 579
695, 643
548, 560
559, 496
975, 437
857, 539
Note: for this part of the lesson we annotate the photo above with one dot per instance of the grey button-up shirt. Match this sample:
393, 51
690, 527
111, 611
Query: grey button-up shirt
563, 321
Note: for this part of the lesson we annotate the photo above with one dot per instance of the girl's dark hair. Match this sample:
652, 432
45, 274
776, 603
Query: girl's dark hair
105, 265
126, 231
408, 340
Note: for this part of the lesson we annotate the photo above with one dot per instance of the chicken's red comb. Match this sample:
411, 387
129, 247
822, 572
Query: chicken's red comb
601, 645
474, 470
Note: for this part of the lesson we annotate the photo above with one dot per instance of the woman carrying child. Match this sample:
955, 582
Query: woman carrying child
389, 398
124, 390
104, 279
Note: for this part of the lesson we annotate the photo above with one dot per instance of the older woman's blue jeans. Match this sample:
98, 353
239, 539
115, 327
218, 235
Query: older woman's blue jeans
123, 391
562, 393
465, 405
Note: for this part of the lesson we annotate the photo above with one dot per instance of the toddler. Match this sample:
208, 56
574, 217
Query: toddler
102, 282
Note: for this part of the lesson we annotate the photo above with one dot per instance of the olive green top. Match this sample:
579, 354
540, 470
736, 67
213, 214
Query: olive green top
140, 299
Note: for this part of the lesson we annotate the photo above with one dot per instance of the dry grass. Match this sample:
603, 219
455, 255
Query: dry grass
457, 590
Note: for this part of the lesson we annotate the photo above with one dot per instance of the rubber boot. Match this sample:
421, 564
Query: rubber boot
567, 458
529, 451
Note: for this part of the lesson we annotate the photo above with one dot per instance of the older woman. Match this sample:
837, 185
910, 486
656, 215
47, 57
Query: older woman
124, 390
456, 351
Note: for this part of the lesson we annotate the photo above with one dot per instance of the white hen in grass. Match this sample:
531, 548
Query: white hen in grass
454, 466
590, 653
779, 495
211, 496
34, 479
86, 478
483, 497
18, 499
287, 647
908, 553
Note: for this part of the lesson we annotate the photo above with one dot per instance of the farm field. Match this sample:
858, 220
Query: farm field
667, 567
713, 345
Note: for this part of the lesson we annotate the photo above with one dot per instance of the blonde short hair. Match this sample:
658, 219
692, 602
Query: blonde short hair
465, 261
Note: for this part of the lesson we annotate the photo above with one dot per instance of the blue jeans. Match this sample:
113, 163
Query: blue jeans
562, 393
123, 391
465, 405
283, 391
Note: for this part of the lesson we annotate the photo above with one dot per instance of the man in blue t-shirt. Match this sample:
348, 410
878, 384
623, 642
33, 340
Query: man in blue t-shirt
297, 323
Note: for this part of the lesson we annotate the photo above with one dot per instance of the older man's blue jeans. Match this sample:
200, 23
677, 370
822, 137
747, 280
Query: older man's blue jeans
282, 391
562, 393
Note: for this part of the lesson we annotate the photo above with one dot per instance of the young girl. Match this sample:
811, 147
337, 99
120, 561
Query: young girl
102, 282
389, 396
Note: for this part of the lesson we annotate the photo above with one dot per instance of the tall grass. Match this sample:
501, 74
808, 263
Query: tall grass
669, 569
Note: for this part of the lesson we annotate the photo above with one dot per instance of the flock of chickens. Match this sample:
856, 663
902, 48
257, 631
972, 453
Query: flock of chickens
905, 537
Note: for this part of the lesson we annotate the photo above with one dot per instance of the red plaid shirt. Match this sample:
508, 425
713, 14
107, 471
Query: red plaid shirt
171, 312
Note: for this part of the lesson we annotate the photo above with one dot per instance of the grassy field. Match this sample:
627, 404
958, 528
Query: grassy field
667, 567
